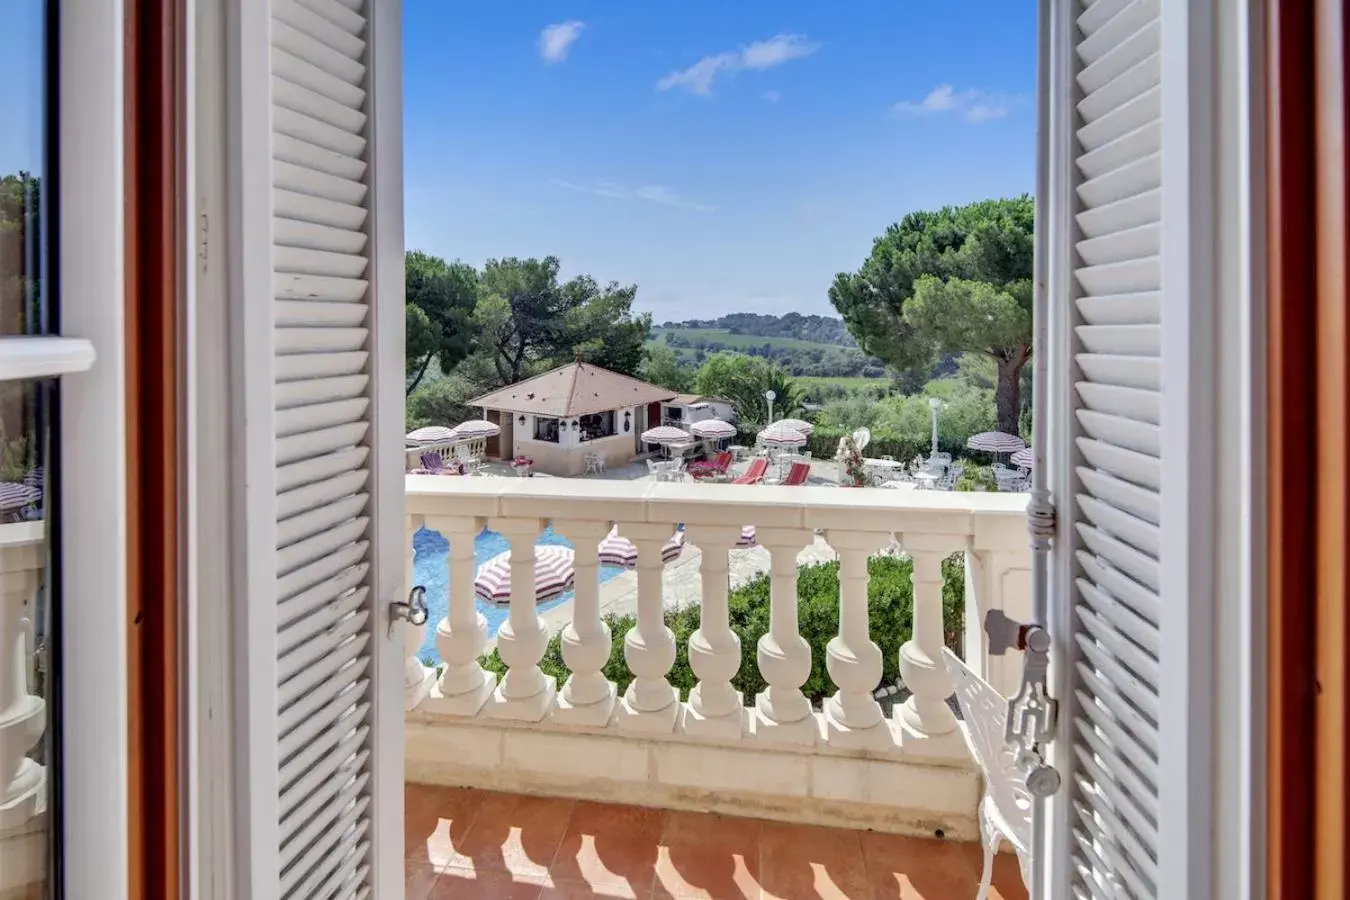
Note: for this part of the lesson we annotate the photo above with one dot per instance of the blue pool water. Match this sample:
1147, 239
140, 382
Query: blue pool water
430, 569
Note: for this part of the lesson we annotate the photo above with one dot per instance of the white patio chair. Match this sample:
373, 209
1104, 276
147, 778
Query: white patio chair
1005, 809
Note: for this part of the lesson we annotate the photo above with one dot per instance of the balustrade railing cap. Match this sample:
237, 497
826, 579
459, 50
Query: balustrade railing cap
995, 521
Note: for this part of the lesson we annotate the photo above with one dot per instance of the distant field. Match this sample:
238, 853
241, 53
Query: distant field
845, 381
739, 341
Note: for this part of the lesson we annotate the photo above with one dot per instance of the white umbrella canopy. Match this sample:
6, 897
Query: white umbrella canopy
996, 442
665, 434
797, 425
431, 434
715, 429
1024, 458
554, 572
779, 435
477, 428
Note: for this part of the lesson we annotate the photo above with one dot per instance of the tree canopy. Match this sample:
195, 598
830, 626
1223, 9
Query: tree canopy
951, 281
439, 300
660, 366
527, 320
744, 380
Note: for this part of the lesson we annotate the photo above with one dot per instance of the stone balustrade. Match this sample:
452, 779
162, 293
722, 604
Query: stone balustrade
457, 448
775, 755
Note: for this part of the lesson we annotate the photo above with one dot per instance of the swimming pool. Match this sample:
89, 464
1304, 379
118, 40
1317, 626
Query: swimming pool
430, 569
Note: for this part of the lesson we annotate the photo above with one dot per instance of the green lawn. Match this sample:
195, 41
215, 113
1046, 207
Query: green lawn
740, 341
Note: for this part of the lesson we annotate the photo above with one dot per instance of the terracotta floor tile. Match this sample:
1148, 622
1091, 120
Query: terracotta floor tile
708, 857
418, 878
799, 862
436, 819
461, 884
608, 845
568, 890
513, 833
906, 868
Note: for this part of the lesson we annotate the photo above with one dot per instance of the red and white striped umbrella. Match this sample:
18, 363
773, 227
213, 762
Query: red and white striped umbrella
1023, 458
801, 425
747, 538
996, 442
619, 551
715, 429
431, 434
16, 495
554, 572
665, 434
780, 435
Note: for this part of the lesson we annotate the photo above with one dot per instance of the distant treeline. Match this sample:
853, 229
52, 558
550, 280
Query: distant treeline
818, 329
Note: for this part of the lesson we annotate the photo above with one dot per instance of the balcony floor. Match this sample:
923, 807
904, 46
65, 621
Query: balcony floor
466, 844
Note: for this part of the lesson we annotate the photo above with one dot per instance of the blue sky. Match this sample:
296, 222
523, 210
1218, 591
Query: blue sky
725, 155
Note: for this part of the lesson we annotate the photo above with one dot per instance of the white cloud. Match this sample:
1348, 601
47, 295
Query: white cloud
556, 40
772, 96
975, 106
648, 193
777, 50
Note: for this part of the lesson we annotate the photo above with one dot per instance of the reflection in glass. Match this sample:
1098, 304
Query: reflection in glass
25, 627
27, 704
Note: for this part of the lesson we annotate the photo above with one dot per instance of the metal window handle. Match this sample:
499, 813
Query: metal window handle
1031, 711
414, 611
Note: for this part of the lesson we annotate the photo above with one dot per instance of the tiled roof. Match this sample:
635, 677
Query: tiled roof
576, 389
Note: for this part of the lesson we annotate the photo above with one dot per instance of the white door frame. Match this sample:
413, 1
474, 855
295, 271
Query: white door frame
93, 469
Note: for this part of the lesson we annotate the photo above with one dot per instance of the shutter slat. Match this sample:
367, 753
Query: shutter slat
309, 524
308, 576
320, 390
315, 183
304, 261
1129, 465
306, 208
1138, 309
318, 619
1120, 58
1139, 566
1135, 82
320, 314
1126, 371
294, 475
1141, 535
1139, 598
329, 855
311, 130
1124, 732
1124, 649
300, 419
1128, 206
1112, 839
321, 28
317, 443
1142, 696
314, 236
316, 815
303, 47
1142, 793
320, 340
1102, 703
344, 15
1128, 403
1121, 615
287, 94
298, 71
320, 707
318, 547
319, 493
294, 286
345, 758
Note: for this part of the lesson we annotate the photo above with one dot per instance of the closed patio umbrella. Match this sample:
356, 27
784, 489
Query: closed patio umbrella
1023, 458
619, 551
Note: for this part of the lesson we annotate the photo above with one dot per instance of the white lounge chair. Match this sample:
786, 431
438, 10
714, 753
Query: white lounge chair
1005, 809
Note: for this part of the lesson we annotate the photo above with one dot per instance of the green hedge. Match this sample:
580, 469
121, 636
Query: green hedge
890, 609
824, 442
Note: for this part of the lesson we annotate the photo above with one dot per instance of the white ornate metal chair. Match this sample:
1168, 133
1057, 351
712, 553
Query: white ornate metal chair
1005, 809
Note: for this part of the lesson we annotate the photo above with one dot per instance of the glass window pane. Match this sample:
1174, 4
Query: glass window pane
28, 614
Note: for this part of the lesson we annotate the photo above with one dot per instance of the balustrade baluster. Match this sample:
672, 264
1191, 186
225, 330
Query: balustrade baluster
525, 692
921, 667
588, 697
852, 716
715, 707
462, 635
651, 703
782, 712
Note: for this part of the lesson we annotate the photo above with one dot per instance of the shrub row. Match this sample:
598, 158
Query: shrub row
890, 608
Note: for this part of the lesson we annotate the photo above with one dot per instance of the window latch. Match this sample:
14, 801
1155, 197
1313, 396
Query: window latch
414, 611
1031, 711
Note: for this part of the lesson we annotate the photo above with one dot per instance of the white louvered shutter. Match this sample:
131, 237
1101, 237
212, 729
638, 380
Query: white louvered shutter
321, 337
1125, 283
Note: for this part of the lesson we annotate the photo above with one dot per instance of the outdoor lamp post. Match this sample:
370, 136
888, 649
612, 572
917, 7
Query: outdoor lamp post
769, 396
935, 404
